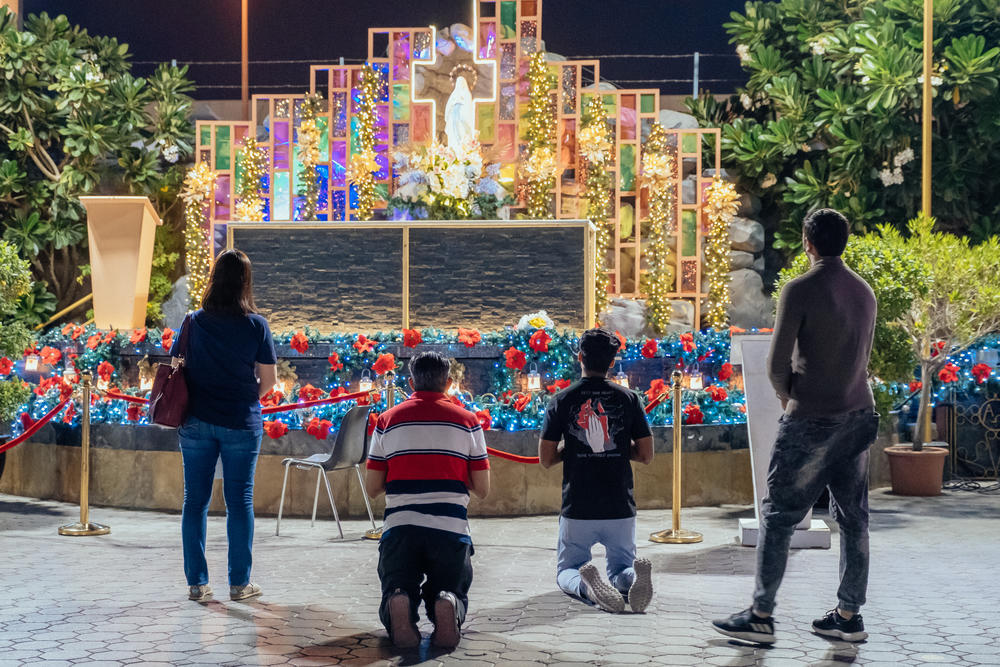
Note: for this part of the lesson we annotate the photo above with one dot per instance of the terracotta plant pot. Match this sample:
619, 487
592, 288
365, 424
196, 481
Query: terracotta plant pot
916, 473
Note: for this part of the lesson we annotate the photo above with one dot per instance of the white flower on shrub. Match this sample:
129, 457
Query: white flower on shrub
539, 320
818, 45
769, 180
743, 51
746, 101
903, 157
935, 80
891, 177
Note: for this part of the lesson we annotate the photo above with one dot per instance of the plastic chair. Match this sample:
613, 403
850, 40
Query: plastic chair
350, 449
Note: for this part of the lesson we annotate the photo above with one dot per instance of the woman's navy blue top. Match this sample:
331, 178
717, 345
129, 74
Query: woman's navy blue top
219, 367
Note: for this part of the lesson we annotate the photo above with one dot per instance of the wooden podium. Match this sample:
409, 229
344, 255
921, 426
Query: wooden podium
121, 231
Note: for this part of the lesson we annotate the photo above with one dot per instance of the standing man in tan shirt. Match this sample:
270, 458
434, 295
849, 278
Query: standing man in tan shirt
818, 366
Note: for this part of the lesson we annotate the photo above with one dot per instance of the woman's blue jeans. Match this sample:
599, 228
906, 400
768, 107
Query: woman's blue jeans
201, 446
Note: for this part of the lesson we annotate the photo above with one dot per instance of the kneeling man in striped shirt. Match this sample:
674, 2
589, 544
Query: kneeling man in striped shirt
426, 455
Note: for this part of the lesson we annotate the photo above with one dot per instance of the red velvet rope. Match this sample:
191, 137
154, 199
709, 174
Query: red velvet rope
512, 457
267, 411
31, 430
656, 401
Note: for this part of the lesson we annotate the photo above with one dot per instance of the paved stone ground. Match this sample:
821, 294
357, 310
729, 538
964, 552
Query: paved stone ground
120, 599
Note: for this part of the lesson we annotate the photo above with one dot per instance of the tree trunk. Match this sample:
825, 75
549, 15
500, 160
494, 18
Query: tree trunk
919, 436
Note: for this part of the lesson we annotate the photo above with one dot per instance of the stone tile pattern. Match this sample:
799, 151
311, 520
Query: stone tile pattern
120, 599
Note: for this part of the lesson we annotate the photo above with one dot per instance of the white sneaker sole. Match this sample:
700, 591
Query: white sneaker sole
753, 637
641, 592
404, 635
840, 634
601, 592
446, 633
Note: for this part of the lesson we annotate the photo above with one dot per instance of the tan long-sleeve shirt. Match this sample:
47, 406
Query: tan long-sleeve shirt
822, 341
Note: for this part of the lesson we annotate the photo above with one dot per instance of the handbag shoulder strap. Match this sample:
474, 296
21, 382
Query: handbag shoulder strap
185, 333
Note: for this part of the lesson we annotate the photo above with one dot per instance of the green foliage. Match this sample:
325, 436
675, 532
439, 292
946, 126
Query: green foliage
896, 277
831, 113
74, 121
13, 394
165, 256
15, 283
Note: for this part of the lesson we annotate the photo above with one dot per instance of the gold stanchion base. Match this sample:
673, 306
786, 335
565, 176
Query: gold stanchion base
679, 536
83, 529
373, 534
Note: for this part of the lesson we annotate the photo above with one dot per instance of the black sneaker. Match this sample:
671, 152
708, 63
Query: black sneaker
835, 625
747, 626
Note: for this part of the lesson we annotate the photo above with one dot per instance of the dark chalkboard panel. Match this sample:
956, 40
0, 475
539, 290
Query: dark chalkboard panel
349, 276
330, 278
493, 276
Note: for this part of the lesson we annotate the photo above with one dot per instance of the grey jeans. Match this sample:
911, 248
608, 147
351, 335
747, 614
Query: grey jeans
811, 454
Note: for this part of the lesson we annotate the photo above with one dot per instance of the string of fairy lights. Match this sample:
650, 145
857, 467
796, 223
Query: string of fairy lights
721, 204
252, 162
597, 150
541, 166
363, 165
199, 182
659, 177
309, 154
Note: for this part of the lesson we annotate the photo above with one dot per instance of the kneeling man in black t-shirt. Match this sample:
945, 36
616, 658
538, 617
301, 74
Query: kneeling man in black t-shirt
603, 428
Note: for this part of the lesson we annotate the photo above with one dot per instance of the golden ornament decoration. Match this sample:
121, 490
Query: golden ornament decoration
721, 203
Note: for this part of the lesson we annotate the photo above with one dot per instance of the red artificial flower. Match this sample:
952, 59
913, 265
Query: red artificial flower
45, 384
384, 364
26, 420
558, 385
949, 373
515, 358
94, 341
319, 428
310, 393
51, 355
363, 345
687, 342
133, 412
656, 387
77, 332
981, 372
506, 396
110, 336
485, 419
138, 336
539, 341
275, 429
650, 348
916, 385
469, 337
272, 397
105, 370
412, 338
335, 364
936, 348
67, 328
299, 342
717, 393
339, 391
67, 417
167, 338
693, 414
621, 339
66, 389
522, 402
456, 400
725, 372
741, 407
6, 365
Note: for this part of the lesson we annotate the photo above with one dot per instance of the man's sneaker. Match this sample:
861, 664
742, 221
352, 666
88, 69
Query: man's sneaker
835, 625
600, 592
402, 630
199, 593
446, 631
747, 626
641, 590
244, 592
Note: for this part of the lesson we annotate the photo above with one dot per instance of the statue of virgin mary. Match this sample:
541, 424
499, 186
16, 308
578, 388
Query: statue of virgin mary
459, 115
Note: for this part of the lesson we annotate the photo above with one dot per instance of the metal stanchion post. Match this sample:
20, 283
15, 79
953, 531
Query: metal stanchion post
676, 535
390, 400
85, 527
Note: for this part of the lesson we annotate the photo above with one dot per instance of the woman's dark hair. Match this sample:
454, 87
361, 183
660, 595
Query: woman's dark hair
230, 287
429, 372
828, 230
598, 347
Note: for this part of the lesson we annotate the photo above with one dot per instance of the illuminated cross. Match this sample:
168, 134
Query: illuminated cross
483, 82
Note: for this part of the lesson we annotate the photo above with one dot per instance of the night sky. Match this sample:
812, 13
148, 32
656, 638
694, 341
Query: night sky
320, 31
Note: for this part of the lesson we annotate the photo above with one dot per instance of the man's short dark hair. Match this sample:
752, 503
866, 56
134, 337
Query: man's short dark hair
598, 348
828, 230
429, 372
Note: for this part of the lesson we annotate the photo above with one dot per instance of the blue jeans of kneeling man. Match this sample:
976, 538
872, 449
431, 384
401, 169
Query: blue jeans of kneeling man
201, 446
577, 536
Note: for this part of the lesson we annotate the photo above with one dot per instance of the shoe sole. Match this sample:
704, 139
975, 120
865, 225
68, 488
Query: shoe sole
840, 634
446, 634
641, 592
604, 595
404, 635
752, 637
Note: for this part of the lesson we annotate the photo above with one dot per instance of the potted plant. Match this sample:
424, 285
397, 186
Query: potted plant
957, 303
15, 282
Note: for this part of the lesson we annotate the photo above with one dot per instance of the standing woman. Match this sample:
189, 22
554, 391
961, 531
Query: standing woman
229, 364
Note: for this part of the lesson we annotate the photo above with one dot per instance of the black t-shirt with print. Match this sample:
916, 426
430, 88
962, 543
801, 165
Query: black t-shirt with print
597, 420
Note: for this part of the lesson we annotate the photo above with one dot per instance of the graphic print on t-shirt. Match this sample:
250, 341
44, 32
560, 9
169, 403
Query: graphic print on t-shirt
591, 424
